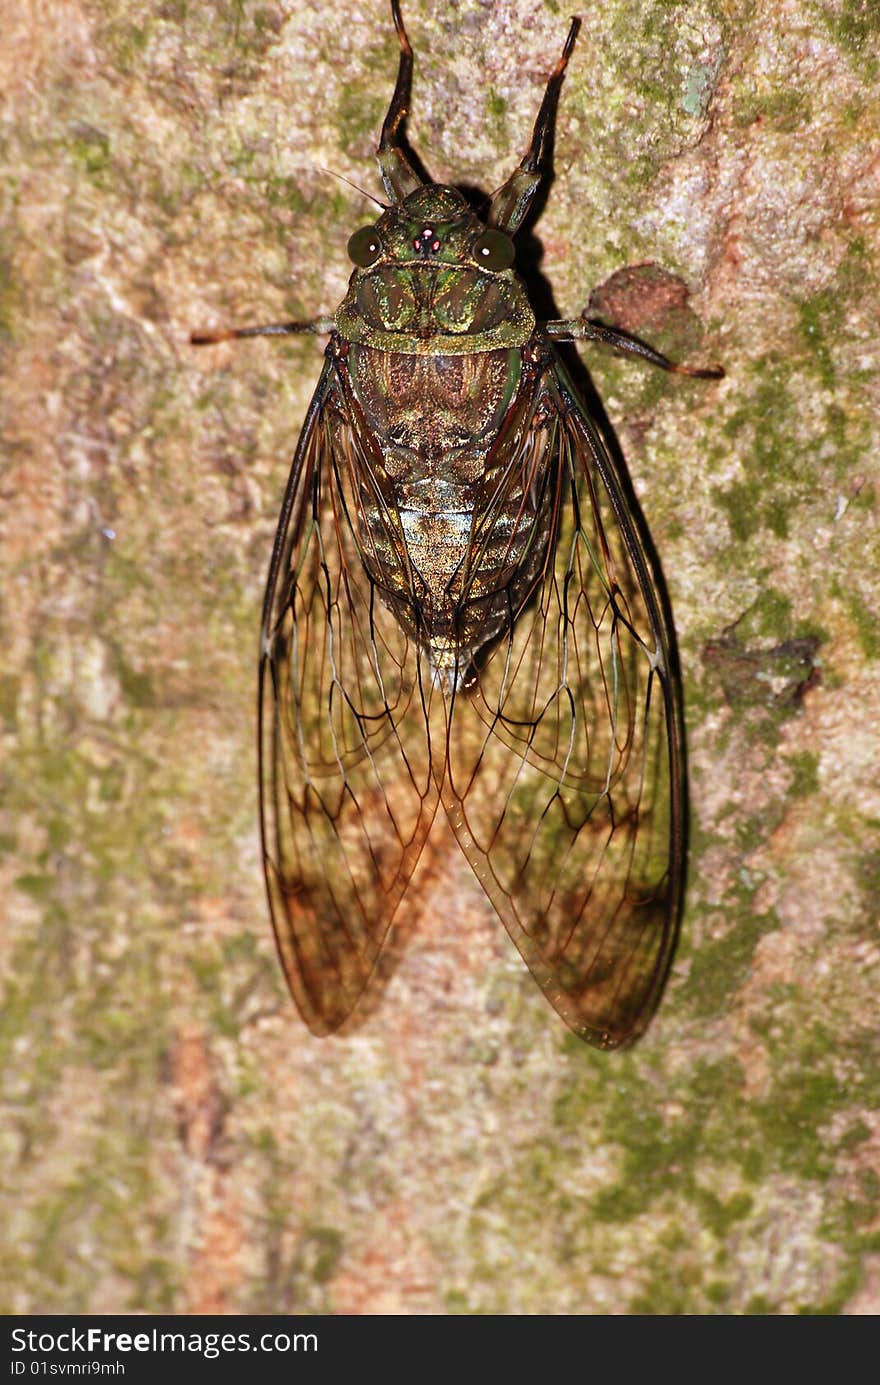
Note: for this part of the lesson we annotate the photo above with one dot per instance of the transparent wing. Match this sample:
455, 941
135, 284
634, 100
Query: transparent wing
346, 793
566, 785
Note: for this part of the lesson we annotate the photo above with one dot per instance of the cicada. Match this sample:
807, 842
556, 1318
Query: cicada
462, 611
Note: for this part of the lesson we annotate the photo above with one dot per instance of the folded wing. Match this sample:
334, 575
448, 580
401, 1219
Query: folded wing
346, 792
566, 785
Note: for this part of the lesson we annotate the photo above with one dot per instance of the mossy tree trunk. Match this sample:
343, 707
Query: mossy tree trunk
174, 1139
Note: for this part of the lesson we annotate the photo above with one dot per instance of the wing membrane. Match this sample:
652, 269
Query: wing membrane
560, 767
346, 792
566, 780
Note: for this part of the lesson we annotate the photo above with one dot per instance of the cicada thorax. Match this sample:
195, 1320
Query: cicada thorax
431, 284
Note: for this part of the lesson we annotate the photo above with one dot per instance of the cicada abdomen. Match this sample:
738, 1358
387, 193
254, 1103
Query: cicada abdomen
462, 613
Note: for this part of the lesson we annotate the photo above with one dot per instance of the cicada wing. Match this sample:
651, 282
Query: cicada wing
346, 792
566, 785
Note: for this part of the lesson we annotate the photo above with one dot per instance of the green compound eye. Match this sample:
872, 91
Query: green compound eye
494, 250
365, 247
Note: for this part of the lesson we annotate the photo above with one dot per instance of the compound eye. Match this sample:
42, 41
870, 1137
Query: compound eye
494, 250
365, 247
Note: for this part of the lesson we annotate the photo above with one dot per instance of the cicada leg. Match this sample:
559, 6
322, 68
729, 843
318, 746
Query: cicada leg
319, 327
583, 329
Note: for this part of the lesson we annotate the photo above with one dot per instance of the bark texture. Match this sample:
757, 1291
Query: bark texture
173, 1139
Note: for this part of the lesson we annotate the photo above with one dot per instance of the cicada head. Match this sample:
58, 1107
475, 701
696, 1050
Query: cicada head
429, 274
432, 225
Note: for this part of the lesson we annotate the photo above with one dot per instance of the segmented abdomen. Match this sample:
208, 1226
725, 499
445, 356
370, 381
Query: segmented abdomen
454, 513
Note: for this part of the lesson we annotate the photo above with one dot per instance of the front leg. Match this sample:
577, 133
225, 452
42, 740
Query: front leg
584, 329
318, 327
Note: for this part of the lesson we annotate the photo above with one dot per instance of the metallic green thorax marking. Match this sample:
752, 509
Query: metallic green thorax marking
438, 303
